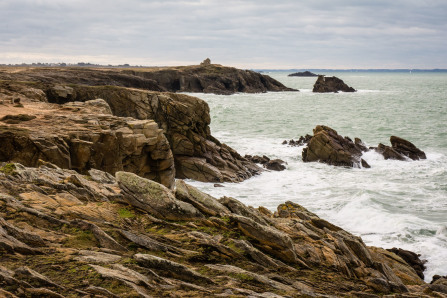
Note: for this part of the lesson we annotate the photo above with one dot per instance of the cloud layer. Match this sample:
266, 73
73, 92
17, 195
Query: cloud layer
252, 34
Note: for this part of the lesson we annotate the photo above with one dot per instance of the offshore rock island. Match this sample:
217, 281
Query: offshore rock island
90, 205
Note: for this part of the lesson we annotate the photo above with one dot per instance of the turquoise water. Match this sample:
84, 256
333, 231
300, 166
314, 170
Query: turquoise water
393, 204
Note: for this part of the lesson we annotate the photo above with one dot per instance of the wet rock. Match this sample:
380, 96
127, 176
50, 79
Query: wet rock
275, 165
412, 259
407, 148
331, 84
300, 142
329, 147
154, 198
202, 201
389, 153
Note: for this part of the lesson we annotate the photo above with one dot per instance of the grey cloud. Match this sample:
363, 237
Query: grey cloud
286, 33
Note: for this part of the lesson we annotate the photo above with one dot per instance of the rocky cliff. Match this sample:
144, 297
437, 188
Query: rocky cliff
211, 78
183, 119
96, 235
206, 78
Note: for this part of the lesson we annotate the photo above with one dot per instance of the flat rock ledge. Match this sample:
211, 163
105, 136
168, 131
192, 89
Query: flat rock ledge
65, 234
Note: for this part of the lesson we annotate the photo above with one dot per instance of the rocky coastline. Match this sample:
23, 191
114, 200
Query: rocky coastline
93, 201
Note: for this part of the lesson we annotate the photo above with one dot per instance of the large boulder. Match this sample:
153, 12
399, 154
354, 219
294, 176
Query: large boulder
329, 147
331, 84
154, 198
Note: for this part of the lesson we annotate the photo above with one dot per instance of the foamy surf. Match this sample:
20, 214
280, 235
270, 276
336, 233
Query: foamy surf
392, 204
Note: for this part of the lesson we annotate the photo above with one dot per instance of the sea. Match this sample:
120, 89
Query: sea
394, 203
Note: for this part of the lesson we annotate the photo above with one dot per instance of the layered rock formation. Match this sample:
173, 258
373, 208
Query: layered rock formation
327, 146
400, 149
184, 120
128, 236
210, 78
206, 78
331, 84
83, 136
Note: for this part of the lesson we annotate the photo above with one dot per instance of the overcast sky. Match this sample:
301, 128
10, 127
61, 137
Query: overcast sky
247, 34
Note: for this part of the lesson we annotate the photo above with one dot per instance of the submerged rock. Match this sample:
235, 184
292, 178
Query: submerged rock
331, 84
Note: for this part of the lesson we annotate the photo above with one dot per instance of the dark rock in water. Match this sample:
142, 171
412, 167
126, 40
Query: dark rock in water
329, 147
258, 159
303, 74
407, 148
331, 84
275, 165
389, 153
300, 142
365, 164
412, 259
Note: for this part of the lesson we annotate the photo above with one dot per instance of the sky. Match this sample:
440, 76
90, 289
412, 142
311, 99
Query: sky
281, 34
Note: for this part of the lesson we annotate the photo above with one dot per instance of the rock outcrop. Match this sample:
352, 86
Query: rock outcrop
329, 147
400, 150
84, 136
270, 164
66, 234
331, 84
303, 74
204, 78
183, 119
210, 78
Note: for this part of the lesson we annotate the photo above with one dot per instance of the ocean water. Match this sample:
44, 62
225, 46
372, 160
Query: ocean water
393, 204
